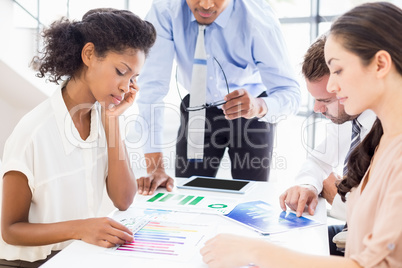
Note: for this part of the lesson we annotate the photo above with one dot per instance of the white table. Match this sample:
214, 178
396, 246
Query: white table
313, 240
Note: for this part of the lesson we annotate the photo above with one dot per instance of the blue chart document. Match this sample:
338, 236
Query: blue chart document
263, 218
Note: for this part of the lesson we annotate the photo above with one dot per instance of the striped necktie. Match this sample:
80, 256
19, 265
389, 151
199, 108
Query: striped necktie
356, 128
196, 119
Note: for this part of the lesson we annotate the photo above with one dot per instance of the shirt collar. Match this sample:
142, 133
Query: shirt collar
67, 130
366, 119
223, 18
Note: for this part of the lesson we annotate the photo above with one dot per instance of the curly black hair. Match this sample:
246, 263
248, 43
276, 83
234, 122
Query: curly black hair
108, 29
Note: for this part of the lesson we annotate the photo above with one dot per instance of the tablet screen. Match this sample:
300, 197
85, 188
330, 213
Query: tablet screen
217, 184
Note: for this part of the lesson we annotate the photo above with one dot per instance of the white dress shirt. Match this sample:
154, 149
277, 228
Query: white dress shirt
329, 156
66, 175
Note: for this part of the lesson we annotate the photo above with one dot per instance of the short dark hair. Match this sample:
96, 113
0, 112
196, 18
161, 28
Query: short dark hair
314, 66
108, 29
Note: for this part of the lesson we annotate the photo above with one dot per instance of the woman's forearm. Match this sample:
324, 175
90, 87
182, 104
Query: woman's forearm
121, 184
35, 234
270, 255
104, 232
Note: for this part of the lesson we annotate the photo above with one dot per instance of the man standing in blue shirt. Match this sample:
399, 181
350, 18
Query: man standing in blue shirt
247, 69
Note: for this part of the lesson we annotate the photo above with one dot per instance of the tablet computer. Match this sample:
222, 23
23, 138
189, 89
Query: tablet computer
214, 184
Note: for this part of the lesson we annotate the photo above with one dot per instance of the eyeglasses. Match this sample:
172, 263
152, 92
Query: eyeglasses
206, 105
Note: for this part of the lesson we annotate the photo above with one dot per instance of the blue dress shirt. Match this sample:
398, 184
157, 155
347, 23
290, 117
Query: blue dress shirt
245, 39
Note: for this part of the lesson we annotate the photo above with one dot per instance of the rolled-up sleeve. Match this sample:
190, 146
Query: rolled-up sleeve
272, 60
154, 83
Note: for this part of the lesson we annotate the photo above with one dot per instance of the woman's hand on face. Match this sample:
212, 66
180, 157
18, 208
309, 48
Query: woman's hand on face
129, 97
104, 232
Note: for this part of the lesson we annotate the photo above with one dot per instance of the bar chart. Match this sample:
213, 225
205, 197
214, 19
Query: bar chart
164, 240
192, 203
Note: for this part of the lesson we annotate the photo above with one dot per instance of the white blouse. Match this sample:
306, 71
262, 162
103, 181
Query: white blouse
66, 174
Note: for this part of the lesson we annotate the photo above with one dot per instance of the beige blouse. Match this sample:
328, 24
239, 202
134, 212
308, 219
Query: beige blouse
375, 214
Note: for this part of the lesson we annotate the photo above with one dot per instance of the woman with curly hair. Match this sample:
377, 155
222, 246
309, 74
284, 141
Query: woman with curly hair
363, 53
63, 153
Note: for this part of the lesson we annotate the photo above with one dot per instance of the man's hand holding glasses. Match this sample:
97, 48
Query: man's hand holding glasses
236, 104
240, 103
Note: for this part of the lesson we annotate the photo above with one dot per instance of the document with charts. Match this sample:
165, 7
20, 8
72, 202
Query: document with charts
161, 234
188, 202
265, 219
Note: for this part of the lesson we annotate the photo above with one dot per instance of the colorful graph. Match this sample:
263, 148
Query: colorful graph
265, 219
167, 240
195, 203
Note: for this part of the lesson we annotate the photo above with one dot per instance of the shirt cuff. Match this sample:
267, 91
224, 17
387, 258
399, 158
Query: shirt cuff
309, 181
338, 209
273, 115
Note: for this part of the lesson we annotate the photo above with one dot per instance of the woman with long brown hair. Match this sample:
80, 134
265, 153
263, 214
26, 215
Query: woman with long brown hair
364, 55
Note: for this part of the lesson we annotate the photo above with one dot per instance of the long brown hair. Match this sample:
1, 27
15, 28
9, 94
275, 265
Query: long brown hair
365, 30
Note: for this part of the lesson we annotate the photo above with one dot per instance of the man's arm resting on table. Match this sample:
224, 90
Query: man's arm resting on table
156, 175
